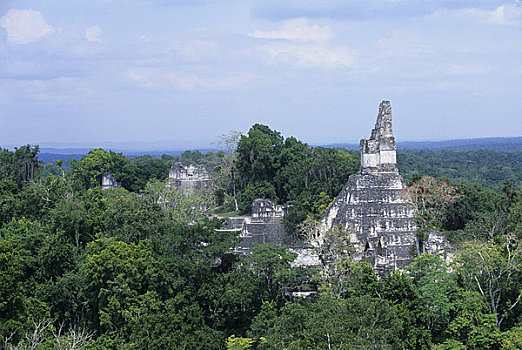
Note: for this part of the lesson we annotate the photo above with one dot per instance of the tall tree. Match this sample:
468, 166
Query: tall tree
226, 169
21, 166
258, 154
493, 268
431, 197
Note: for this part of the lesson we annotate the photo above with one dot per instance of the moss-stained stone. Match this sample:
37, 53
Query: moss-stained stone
372, 206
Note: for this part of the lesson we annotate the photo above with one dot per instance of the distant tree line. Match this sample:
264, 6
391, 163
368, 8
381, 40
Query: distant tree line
491, 169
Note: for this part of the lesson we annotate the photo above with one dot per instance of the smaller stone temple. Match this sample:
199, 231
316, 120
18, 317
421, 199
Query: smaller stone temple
265, 209
189, 177
372, 207
264, 226
108, 181
437, 244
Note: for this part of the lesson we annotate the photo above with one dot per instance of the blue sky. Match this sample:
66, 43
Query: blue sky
91, 71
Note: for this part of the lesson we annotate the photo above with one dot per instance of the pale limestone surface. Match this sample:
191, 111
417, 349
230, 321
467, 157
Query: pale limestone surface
108, 181
437, 244
189, 177
373, 207
264, 226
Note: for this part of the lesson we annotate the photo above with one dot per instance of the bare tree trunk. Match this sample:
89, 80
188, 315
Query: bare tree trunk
234, 181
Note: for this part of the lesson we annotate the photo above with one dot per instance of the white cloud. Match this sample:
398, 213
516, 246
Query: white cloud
469, 69
296, 30
308, 55
506, 15
25, 26
152, 78
303, 45
403, 44
503, 15
93, 33
148, 38
191, 82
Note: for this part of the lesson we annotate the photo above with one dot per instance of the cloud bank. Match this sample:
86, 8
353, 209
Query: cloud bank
25, 26
92, 34
298, 43
296, 30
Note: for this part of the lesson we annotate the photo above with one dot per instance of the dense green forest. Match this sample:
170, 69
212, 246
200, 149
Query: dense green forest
491, 169
82, 268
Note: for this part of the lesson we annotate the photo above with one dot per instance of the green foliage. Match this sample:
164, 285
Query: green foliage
332, 323
239, 343
130, 218
131, 174
491, 169
264, 320
9, 203
283, 170
258, 154
478, 213
431, 198
116, 269
27, 237
340, 274
262, 189
472, 324
21, 166
12, 306
88, 171
474, 202
175, 323
225, 170
434, 285
492, 268
149, 168
512, 339
514, 221
120, 279
399, 289
73, 220
450, 344
270, 264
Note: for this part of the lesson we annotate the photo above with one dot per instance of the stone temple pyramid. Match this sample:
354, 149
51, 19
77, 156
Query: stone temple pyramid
372, 207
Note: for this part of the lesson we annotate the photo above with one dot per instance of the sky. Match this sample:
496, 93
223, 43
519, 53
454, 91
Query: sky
184, 72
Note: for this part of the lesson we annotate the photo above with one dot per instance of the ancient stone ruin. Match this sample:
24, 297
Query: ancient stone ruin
372, 207
108, 181
189, 177
265, 209
437, 243
263, 226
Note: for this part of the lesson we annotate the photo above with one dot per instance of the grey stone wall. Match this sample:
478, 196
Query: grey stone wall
437, 244
189, 177
372, 207
108, 181
263, 208
264, 226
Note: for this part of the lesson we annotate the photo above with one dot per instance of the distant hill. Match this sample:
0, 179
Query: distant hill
50, 155
505, 144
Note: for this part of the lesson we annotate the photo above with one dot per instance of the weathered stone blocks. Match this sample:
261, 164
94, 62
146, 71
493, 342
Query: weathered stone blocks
372, 206
190, 177
108, 181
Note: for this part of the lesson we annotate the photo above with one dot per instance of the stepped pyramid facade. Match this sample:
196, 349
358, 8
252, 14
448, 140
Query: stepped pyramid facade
372, 206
